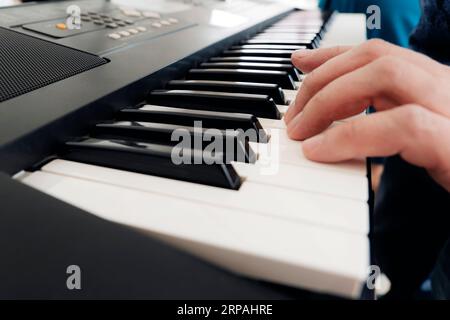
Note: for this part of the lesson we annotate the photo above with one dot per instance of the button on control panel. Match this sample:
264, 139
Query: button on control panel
123, 22
156, 22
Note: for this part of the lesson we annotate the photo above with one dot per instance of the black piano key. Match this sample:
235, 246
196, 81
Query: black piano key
285, 37
301, 30
299, 23
280, 34
155, 160
315, 44
252, 59
302, 40
304, 24
303, 33
268, 47
282, 78
187, 117
258, 52
161, 133
259, 105
310, 29
306, 44
299, 36
269, 89
254, 65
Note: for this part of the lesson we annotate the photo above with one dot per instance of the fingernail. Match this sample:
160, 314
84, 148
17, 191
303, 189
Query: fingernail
313, 143
292, 103
301, 53
287, 117
288, 112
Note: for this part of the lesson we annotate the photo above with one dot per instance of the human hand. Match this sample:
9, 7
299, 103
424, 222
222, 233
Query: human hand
410, 91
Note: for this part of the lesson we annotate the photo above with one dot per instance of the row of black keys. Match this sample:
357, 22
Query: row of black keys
227, 92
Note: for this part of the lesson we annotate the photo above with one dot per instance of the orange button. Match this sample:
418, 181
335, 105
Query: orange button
61, 26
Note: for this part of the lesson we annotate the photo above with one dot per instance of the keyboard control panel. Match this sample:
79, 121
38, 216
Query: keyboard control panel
93, 26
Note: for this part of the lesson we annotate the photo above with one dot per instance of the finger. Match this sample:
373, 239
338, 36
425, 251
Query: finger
350, 61
318, 60
386, 79
420, 136
307, 60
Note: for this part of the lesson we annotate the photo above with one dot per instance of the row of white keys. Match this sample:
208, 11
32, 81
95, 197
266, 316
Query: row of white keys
259, 246
283, 203
306, 179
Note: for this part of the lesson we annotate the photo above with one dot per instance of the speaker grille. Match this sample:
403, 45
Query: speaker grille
28, 63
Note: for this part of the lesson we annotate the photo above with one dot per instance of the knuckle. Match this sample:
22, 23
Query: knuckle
418, 123
436, 90
308, 82
320, 98
351, 131
377, 43
373, 48
390, 69
339, 50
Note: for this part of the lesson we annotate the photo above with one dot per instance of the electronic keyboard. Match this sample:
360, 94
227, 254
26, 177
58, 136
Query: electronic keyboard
102, 131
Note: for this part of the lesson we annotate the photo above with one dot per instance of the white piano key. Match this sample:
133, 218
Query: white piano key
282, 108
290, 151
306, 179
267, 200
345, 29
272, 123
260, 247
294, 155
290, 95
282, 148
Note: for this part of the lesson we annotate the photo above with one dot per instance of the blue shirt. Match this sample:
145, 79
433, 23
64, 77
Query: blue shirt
398, 17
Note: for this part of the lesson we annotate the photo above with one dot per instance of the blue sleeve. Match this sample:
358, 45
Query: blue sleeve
398, 18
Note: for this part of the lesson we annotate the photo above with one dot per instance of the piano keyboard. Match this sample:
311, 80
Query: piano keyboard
270, 214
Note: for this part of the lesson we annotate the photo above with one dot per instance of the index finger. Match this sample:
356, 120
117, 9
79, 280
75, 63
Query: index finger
373, 84
308, 60
349, 61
